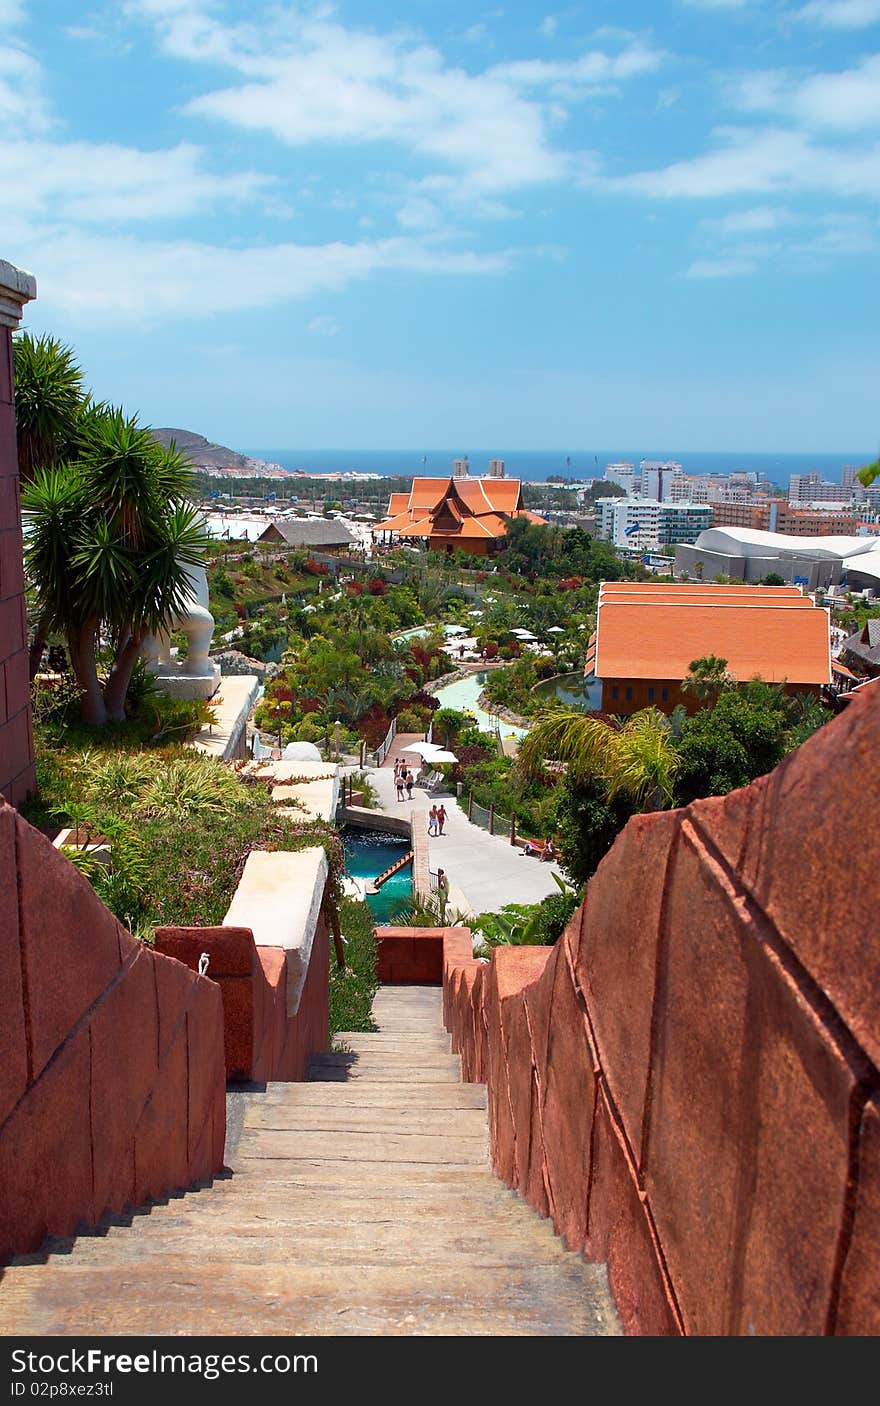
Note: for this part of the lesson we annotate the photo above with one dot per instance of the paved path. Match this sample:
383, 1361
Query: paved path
360, 1204
484, 871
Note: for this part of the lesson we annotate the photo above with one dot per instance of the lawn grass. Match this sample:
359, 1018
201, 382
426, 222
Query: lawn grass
352, 991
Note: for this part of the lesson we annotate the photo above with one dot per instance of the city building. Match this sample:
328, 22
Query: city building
810, 488
449, 513
461, 468
775, 515
640, 523
657, 477
623, 474
749, 554
647, 635
496, 468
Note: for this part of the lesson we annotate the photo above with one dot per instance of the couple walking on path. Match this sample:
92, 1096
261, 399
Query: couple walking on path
403, 779
436, 819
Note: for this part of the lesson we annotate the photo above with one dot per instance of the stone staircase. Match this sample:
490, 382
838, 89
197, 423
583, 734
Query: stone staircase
359, 1204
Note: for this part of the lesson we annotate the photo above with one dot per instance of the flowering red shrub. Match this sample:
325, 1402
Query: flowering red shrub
354, 588
240, 611
377, 586
315, 568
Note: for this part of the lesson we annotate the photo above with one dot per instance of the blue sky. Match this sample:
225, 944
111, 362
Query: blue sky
393, 225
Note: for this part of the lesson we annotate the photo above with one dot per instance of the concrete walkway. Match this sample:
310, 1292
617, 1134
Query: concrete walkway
484, 871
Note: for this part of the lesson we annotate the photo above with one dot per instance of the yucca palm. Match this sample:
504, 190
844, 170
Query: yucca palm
49, 399
636, 759
110, 540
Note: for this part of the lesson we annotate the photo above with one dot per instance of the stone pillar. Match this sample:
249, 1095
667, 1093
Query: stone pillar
16, 731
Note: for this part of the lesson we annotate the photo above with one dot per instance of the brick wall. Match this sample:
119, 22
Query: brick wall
262, 1042
112, 1085
688, 1082
16, 735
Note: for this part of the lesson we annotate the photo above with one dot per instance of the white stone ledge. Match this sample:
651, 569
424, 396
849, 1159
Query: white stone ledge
279, 899
16, 289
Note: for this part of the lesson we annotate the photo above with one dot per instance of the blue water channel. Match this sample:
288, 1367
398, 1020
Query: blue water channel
369, 853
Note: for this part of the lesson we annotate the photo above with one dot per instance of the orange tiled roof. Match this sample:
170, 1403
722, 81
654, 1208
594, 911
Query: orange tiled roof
452, 509
657, 638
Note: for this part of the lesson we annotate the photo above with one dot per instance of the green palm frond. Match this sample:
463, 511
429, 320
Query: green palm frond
48, 398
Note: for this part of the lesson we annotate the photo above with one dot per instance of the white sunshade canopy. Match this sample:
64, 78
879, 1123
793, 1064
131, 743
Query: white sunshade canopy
555, 630
425, 749
442, 756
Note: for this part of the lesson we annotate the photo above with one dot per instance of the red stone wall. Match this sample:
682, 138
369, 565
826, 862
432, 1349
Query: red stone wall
413, 956
688, 1082
16, 735
112, 1084
261, 1041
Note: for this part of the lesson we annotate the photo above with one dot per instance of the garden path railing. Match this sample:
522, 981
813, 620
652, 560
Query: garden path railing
384, 748
492, 820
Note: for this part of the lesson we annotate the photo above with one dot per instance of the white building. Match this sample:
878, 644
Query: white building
804, 489
656, 478
623, 474
643, 523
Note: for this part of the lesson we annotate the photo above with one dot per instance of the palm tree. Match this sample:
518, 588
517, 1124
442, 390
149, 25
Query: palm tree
706, 678
636, 759
109, 543
49, 397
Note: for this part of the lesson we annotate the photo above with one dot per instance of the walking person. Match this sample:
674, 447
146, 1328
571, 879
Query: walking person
441, 818
432, 820
410, 782
398, 782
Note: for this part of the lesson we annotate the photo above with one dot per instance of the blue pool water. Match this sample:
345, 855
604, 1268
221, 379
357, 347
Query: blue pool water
368, 854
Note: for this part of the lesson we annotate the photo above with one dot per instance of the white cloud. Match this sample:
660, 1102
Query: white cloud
548, 26
716, 4
324, 327
309, 80
840, 14
746, 162
11, 13
757, 220
119, 280
23, 104
844, 101
91, 183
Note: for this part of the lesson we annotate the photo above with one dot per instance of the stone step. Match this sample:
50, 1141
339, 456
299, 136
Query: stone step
405, 1119
386, 1095
176, 1296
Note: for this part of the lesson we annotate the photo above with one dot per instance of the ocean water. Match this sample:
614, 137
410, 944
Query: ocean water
536, 464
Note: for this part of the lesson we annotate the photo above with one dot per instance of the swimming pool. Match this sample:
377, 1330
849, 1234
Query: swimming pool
463, 694
368, 853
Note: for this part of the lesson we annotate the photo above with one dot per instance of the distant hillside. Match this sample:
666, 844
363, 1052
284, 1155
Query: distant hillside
216, 458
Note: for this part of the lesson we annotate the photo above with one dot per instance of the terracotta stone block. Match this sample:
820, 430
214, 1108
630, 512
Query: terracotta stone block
13, 1048
10, 516
6, 363
206, 1067
569, 1096
794, 825
239, 1029
617, 959
69, 940
620, 1234
501, 1137
11, 637
22, 787
3, 713
231, 951
747, 1160
11, 565
859, 1302
517, 968
45, 1155
160, 1141
174, 987
124, 1042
